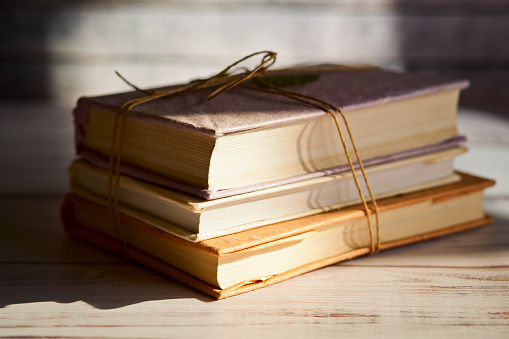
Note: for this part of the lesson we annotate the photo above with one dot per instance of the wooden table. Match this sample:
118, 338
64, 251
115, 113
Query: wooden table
54, 286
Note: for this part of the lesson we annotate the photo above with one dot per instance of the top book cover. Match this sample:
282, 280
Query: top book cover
244, 140
240, 109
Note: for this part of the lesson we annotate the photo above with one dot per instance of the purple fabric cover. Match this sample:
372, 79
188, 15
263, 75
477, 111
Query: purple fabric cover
240, 109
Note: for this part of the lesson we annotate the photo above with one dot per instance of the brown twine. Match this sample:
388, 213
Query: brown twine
226, 81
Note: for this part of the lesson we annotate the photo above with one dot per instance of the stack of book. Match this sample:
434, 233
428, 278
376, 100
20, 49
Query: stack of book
251, 188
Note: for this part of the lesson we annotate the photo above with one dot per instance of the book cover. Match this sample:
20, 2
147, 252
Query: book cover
240, 109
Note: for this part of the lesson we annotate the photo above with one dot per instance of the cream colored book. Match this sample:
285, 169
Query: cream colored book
205, 219
247, 139
240, 262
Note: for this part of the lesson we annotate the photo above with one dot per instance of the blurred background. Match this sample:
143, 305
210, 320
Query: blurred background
57, 50
54, 51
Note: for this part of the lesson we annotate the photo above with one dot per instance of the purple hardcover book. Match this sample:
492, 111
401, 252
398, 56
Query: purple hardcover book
246, 140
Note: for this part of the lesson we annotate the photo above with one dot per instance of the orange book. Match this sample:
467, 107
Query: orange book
255, 258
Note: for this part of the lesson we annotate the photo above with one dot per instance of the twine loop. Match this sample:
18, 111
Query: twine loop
225, 80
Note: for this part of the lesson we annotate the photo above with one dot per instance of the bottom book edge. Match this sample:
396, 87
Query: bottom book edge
136, 255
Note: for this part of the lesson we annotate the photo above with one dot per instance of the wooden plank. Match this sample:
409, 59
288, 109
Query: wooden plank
60, 52
488, 155
31, 232
36, 147
113, 301
90, 34
53, 286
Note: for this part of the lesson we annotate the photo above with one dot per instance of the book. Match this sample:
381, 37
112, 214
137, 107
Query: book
240, 262
245, 140
211, 218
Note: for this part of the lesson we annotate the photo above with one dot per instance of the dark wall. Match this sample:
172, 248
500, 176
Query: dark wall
59, 50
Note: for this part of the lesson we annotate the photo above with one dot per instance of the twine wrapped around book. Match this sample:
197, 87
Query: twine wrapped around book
225, 81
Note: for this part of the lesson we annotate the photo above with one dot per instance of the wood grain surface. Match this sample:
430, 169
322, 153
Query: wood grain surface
54, 286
